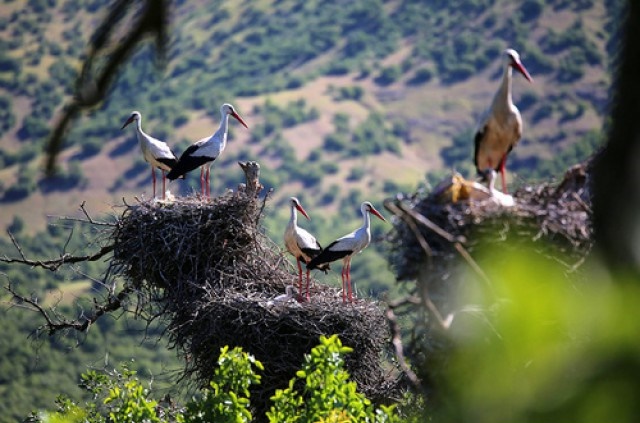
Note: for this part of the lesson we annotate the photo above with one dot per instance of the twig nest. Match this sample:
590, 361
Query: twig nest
208, 269
559, 214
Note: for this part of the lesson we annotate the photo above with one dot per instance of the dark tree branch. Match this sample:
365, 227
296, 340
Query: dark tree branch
53, 264
92, 90
616, 193
396, 342
55, 323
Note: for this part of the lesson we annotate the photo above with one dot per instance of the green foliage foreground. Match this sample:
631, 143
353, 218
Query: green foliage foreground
327, 395
546, 342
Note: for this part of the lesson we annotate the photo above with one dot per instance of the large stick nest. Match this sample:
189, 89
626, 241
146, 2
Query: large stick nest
210, 271
557, 216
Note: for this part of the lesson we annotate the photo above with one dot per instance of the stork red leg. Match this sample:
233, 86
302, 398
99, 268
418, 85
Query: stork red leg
349, 288
299, 277
308, 296
344, 285
208, 181
503, 163
202, 181
153, 178
164, 183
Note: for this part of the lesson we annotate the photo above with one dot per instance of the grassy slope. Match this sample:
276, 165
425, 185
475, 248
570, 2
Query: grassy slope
436, 112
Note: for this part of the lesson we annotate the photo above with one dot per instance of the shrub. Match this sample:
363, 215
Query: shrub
542, 112
388, 75
528, 99
7, 118
327, 394
356, 174
33, 129
421, 76
9, 64
227, 398
531, 10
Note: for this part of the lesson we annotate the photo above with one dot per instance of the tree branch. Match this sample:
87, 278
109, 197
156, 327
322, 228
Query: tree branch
53, 264
57, 323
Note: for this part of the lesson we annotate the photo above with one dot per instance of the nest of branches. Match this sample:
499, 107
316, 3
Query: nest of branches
556, 215
434, 242
207, 268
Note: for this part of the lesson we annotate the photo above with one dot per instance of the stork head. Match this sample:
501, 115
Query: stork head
295, 203
227, 109
367, 207
514, 61
135, 115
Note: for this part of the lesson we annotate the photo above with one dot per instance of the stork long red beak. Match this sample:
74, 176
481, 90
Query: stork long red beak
377, 214
302, 210
237, 116
131, 119
520, 68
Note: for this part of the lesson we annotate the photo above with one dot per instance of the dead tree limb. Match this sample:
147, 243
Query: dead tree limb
54, 322
53, 264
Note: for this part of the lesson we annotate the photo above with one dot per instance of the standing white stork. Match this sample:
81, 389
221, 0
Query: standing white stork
206, 150
155, 152
501, 127
301, 244
345, 247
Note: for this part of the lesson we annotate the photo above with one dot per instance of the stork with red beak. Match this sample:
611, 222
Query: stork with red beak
501, 127
300, 243
346, 247
203, 152
155, 152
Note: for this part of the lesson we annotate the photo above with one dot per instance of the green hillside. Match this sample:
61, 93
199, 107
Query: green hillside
351, 92
345, 101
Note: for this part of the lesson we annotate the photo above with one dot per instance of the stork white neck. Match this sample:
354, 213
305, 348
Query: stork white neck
294, 216
366, 218
142, 136
224, 126
503, 99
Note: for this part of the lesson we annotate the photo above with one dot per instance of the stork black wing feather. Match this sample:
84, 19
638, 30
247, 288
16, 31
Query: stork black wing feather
477, 141
313, 253
186, 164
327, 256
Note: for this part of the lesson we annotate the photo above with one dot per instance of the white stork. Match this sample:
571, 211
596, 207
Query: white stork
206, 150
300, 243
155, 152
501, 127
287, 296
345, 247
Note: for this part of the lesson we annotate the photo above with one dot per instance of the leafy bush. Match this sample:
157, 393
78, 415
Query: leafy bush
421, 76
388, 75
7, 118
527, 100
327, 394
8, 64
227, 398
354, 93
335, 142
531, 10
33, 129
544, 111
356, 174
459, 154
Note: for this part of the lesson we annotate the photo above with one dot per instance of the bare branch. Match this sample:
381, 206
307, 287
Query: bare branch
82, 324
398, 349
53, 264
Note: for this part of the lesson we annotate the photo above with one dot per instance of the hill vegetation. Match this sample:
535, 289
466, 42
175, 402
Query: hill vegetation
346, 101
